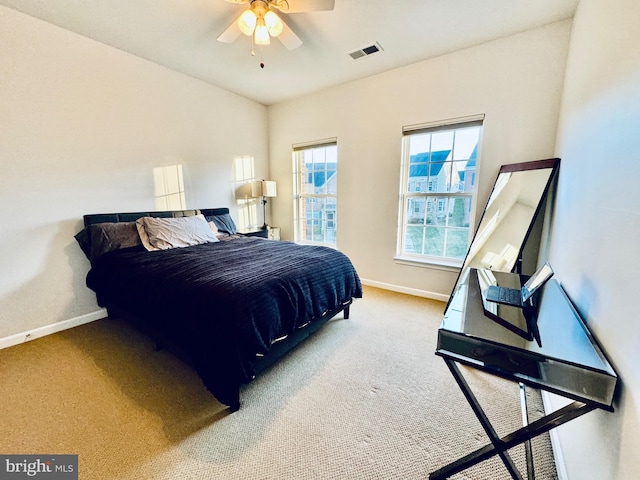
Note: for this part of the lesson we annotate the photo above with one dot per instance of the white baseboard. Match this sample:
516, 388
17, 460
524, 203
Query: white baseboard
561, 469
409, 291
29, 335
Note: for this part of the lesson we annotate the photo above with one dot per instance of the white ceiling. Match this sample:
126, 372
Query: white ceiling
181, 35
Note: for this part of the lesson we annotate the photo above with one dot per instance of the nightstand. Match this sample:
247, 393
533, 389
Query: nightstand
256, 233
273, 233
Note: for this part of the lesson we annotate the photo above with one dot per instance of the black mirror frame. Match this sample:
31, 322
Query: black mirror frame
554, 165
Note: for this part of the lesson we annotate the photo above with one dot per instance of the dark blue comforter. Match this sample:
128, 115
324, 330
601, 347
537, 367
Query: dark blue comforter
223, 303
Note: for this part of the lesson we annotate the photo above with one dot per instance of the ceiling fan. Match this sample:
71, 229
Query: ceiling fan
261, 23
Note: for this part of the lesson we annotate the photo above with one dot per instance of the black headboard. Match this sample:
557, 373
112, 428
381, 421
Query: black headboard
133, 216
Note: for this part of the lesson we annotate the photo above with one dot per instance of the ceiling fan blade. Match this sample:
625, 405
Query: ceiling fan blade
289, 39
298, 6
231, 33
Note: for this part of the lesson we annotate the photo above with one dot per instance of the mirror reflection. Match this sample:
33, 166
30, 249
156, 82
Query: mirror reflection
504, 234
509, 212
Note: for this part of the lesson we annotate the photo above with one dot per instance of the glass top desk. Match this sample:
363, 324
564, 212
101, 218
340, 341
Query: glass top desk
546, 346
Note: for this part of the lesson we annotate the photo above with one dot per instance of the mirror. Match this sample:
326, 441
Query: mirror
508, 236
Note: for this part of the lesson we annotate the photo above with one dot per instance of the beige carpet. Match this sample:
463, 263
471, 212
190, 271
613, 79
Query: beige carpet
365, 398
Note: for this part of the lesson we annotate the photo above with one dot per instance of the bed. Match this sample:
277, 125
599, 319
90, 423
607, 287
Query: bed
228, 304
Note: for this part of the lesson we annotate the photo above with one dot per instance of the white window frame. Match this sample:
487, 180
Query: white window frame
301, 198
402, 254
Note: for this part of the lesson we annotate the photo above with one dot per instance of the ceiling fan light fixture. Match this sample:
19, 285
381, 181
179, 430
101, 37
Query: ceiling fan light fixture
261, 34
263, 20
274, 24
247, 22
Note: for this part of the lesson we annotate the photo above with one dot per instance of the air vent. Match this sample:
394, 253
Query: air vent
366, 51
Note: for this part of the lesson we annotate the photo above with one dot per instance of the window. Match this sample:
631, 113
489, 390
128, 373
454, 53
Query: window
434, 224
315, 176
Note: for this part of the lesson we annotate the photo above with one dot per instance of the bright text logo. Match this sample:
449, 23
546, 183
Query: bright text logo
46, 467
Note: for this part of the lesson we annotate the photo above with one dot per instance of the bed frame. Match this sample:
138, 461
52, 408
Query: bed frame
261, 363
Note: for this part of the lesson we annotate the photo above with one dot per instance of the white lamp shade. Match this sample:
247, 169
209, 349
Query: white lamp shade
261, 33
247, 22
264, 188
274, 24
269, 188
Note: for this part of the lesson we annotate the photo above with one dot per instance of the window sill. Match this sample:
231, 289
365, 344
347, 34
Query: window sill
317, 244
434, 264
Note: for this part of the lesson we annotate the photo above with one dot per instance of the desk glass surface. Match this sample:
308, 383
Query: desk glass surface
560, 356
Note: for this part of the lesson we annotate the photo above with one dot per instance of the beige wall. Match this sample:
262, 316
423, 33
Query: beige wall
516, 82
81, 128
596, 230
83, 124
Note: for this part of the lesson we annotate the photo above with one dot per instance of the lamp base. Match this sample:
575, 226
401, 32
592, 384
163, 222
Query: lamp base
264, 213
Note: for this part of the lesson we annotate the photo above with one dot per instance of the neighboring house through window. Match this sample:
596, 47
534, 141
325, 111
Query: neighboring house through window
315, 176
435, 221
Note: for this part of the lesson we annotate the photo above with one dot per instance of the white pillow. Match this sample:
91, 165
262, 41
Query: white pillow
164, 233
143, 236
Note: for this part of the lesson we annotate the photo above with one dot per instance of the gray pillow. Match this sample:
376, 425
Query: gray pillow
100, 238
224, 223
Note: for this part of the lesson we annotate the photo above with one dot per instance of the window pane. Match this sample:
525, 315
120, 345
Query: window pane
437, 210
416, 210
466, 143
320, 220
457, 243
414, 239
318, 169
418, 173
440, 173
305, 172
459, 212
420, 142
462, 177
434, 242
314, 219
442, 141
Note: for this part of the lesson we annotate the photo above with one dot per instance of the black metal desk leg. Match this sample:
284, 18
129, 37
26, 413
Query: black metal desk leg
499, 446
498, 449
525, 421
